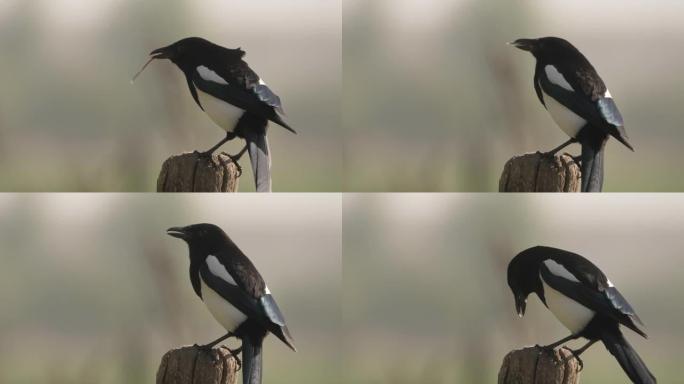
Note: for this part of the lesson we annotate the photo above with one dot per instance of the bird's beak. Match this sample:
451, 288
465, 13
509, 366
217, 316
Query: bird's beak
178, 232
520, 304
524, 44
160, 53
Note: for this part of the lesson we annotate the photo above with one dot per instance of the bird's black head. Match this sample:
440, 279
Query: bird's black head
545, 46
523, 277
185, 52
201, 238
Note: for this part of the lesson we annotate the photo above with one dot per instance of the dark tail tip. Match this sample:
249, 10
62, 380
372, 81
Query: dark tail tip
629, 360
624, 141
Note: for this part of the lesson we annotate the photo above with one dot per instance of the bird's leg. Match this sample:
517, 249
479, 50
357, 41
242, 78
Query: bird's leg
210, 151
553, 346
552, 152
577, 352
208, 347
235, 158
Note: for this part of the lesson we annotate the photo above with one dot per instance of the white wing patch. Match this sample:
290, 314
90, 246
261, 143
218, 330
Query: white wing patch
262, 82
209, 75
266, 290
217, 269
607, 95
559, 270
557, 78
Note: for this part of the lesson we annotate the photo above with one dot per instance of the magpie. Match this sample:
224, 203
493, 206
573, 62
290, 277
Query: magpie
578, 101
233, 96
235, 294
582, 299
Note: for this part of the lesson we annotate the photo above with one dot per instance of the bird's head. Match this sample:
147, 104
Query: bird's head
200, 237
185, 53
184, 50
523, 277
544, 46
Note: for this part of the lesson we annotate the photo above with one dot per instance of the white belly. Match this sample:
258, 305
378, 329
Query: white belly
225, 115
573, 315
566, 119
226, 314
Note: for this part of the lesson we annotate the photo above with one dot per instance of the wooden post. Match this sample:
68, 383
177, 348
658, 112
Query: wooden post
190, 365
188, 172
540, 366
534, 172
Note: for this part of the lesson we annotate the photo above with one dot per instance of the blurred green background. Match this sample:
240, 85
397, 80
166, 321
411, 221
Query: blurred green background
71, 121
94, 291
434, 99
425, 298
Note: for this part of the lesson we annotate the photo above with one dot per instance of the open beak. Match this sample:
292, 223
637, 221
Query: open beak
160, 53
178, 232
524, 44
520, 304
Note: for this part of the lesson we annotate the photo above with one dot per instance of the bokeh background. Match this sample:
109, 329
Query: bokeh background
434, 99
71, 121
425, 298
94, 291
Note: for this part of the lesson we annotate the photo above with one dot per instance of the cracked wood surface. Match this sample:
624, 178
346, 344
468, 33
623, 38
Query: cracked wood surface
534, 172
535, 365
188, 172
190, 365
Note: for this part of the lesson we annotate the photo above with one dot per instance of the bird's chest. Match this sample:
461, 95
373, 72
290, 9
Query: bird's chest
567, 120
573, 315
224, 312
224, 114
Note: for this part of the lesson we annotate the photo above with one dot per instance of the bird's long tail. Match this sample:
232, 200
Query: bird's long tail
592, 165
259, 156
252, 360
629, 360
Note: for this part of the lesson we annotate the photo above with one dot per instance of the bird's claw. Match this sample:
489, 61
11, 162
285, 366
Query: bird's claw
204, 348
234, 160
202, 155
548, 155
234, 353
576, 357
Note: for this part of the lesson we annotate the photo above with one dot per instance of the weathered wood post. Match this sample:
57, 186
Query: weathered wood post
188, 172
535, 172
190, 365
540, 366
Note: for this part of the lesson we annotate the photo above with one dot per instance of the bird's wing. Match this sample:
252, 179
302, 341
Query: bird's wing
262, 309
250, 81
591, 289
240, 87
585, 94
278, 326
231, 292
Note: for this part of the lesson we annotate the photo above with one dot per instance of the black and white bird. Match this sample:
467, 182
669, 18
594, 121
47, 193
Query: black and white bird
232, 94
578, 101
582, 299
235, 294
